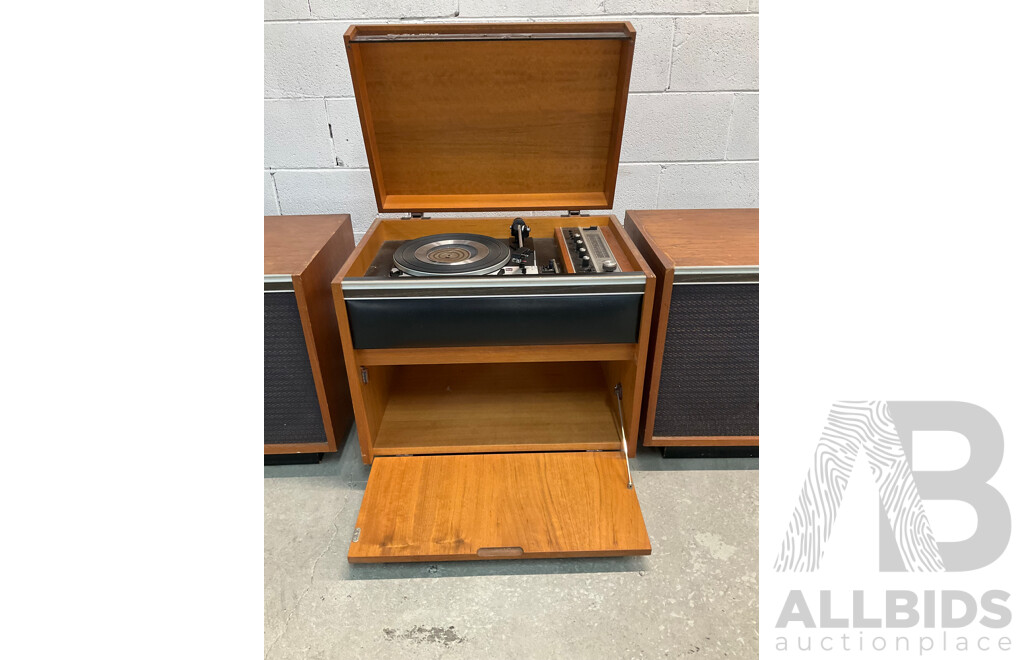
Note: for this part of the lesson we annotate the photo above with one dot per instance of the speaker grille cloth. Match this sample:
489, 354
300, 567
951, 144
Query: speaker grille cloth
709, 374
291, 411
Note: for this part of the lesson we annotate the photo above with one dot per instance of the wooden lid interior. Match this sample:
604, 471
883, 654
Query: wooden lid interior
491, 117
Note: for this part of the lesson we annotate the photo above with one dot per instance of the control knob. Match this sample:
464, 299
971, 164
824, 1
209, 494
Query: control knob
608, 265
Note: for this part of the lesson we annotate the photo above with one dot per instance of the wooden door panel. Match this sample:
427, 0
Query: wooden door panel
481, 506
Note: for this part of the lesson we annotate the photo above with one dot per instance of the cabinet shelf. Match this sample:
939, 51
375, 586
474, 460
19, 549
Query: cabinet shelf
538, 406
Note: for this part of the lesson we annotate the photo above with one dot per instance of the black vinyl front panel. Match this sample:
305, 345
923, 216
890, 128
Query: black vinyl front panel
291, 411
494, 320
709, 373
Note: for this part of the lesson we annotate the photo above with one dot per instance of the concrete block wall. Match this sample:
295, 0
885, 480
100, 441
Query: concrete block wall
690, 139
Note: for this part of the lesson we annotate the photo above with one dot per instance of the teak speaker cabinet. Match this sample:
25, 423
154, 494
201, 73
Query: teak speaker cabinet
706, 264
307, 409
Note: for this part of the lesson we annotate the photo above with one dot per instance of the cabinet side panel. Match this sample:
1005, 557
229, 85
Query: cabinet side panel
662, 268
317, 304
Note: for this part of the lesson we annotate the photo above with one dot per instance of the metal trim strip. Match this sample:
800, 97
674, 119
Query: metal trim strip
693, 283
503, 36
715, 274
365, 287
492, 296
278, 284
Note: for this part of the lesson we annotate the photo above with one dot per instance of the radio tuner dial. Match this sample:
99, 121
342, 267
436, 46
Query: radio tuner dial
608, 265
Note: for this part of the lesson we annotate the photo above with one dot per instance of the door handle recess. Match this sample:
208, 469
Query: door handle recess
509, 551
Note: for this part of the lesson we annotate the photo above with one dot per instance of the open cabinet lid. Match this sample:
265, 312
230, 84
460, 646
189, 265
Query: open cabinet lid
489, 506
490, 117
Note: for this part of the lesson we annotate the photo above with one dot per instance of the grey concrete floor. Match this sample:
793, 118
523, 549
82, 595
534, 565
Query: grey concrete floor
694, 596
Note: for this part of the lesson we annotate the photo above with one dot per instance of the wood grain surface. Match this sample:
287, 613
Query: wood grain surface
498, 407
661, 265
291, 241
632, 375
492, 124
480, 506
701, 237
320, 326
563, 251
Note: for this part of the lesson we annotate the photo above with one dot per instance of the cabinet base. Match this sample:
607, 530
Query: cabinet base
292, 459
710, 452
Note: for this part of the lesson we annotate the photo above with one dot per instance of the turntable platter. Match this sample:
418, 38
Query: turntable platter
452, 254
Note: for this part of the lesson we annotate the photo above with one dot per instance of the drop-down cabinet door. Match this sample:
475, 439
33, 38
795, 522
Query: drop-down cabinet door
494, 506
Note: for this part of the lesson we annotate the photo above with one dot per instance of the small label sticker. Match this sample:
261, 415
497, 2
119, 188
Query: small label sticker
355, 534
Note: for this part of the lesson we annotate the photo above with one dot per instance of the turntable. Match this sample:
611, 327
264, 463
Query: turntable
496, 364
570, 250
452, 254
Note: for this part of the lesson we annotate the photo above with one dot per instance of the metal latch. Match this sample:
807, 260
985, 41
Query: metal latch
364, 375
622, 432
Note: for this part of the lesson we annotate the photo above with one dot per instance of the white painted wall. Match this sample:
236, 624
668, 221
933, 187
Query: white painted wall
691, 125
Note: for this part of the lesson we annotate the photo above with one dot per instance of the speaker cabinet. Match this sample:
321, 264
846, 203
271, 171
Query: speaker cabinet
306, 402
701, 388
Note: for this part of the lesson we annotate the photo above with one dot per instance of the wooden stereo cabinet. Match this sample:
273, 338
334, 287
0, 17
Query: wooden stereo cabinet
306, 403
702, 370
485, 404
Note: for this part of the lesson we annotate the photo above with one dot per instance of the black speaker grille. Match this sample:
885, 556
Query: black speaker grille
709, 373
291, 411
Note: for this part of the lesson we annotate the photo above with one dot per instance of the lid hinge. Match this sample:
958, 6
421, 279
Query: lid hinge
416, 216
575, 214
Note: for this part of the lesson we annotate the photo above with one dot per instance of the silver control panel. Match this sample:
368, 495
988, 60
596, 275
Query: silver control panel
589, 251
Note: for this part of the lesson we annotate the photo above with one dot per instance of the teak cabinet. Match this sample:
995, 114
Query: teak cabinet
491, 419
306, 408
490, 451
702, 371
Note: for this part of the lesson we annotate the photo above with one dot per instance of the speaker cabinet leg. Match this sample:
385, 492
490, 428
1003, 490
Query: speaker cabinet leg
709, 452
292, 459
